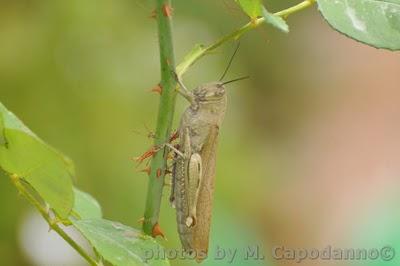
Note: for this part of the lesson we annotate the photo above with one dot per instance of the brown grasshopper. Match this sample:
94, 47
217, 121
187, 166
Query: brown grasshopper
194, 167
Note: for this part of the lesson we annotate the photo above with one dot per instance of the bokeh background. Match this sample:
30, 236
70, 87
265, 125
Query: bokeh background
309, 154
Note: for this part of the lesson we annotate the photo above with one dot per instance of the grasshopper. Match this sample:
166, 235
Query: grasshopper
193, 172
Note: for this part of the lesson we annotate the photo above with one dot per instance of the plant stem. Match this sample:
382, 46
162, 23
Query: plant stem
45, 213
202, 51
165, 114
286, 12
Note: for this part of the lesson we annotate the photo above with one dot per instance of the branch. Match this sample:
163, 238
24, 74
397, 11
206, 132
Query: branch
165, 115
201, 51
22, 189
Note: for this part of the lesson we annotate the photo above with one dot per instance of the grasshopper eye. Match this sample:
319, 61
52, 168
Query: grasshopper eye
215, 94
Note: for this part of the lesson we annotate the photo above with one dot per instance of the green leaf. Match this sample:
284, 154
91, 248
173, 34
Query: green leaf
197, 50
253, 8
86, 206
120, 244
46, 170
374, 22
275, 20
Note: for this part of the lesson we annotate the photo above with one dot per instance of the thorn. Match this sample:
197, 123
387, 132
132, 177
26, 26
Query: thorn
141, 220
149, 153
159, 172
157, 89
157, 231
146, 170
167, 10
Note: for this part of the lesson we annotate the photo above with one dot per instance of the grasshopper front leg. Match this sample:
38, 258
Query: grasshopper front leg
185, 92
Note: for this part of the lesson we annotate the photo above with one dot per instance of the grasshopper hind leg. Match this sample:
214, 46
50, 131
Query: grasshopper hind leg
194, 182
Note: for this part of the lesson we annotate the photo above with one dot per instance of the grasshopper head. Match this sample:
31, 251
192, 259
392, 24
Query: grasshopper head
213, 92
210, 92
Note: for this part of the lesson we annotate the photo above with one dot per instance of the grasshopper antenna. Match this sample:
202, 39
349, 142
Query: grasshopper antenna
230, 62
234, 80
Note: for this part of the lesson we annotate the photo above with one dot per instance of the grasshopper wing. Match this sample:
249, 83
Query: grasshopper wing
205, 198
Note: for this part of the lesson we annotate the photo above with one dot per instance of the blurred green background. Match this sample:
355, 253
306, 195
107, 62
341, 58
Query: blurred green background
309, 154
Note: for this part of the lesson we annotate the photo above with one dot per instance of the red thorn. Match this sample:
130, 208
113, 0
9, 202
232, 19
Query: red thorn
157, 89
146, 155
167, 10
157, 231
159, 172
146, 170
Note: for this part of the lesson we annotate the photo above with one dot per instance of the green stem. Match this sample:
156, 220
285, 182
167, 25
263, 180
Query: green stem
202, 51
53, 225
303, 5
165, 115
